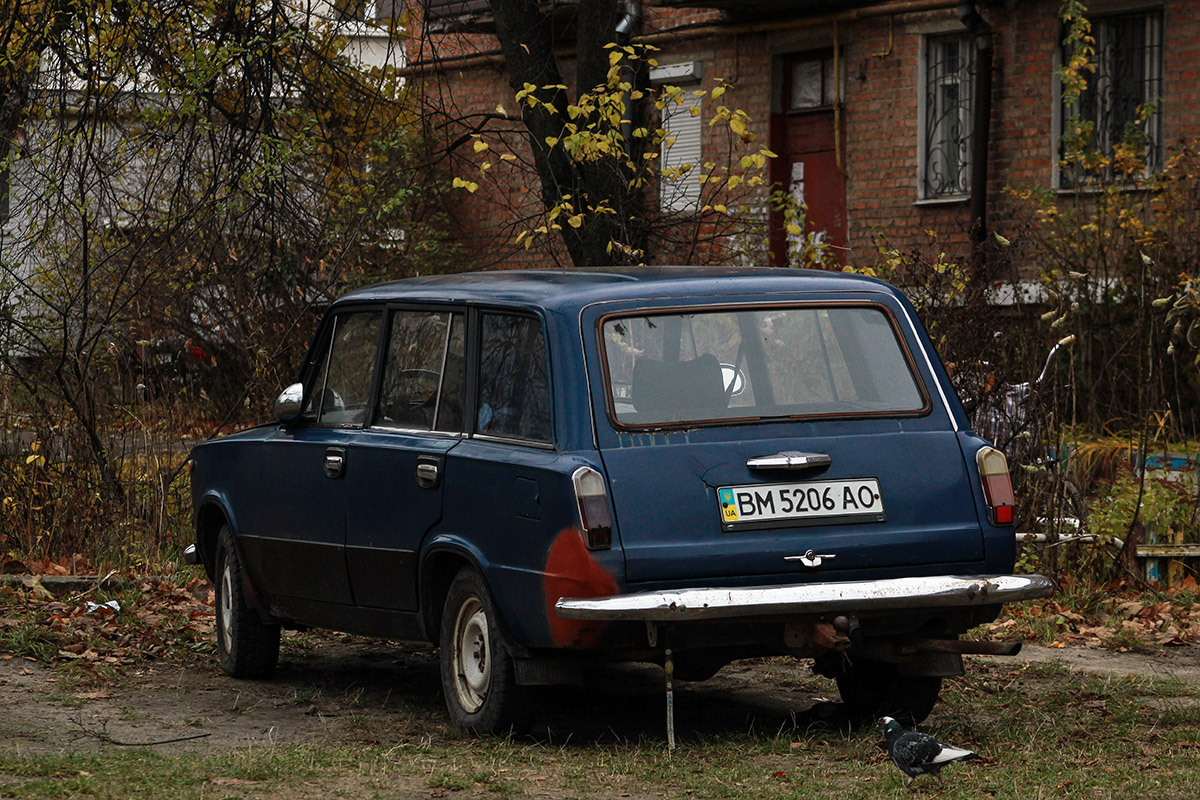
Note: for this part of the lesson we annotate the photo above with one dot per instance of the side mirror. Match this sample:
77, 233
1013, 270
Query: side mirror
287, 405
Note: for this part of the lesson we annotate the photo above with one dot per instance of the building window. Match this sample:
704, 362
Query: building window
357, 10
810, 84
680, 155
1122, 101
945, 155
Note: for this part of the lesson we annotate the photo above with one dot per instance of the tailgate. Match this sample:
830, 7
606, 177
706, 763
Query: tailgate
781, 438
674, 526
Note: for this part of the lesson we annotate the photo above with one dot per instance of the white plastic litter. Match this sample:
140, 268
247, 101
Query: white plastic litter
111, 605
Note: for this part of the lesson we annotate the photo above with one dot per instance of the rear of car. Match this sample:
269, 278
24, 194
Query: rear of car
789, 472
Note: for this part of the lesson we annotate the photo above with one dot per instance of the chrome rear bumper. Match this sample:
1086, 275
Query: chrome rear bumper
896, 594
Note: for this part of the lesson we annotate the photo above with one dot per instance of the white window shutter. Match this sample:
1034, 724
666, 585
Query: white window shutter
681, 146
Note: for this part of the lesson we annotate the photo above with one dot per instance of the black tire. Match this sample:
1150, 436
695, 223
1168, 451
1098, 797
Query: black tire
246, 646
479, 677
874, 689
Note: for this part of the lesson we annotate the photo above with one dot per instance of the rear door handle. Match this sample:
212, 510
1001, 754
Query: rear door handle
429, 472
790, 459
335, 462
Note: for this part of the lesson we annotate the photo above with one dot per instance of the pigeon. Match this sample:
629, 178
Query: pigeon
918, 753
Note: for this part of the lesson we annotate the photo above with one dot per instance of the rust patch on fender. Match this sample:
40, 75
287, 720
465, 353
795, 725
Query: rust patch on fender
572, 572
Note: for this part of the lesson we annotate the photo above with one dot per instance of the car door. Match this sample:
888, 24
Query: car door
298, 538
397, 466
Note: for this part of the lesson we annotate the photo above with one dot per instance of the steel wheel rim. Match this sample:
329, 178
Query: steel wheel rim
226, 606
472, 656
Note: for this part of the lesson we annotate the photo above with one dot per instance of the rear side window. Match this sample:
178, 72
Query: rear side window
514, 386
759, 363
423, 372
340, 384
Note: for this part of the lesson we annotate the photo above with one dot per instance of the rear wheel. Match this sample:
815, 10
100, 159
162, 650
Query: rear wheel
479, 676
874, 689
246, 646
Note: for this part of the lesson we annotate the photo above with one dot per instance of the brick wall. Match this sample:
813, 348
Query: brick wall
879, 114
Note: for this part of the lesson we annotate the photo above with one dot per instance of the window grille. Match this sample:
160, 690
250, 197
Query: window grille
946, 145
1122, 100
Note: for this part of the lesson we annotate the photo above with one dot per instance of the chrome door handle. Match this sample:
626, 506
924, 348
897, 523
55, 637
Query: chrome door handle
335, 462
429, 472
790, 459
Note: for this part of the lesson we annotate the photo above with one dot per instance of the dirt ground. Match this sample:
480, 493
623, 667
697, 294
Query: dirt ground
335, 689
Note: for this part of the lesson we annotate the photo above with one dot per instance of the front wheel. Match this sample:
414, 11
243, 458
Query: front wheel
246, 646
478, 674
873, 689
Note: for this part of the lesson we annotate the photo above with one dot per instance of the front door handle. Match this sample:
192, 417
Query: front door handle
335, 462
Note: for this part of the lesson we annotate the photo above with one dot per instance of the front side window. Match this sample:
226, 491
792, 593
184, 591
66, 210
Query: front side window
514, 384
756, 364
339, 386
1121, 105
423, 372
946, 127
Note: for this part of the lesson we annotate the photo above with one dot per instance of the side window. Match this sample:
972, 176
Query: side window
422, 375
340, 386
454, 380
514, 387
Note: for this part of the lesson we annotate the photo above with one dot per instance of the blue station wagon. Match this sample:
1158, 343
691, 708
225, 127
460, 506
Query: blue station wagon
677, 465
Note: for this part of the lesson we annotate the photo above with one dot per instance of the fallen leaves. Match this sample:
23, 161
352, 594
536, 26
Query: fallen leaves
148, 622
1120, 622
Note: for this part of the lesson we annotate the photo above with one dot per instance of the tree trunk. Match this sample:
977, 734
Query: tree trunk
526, 37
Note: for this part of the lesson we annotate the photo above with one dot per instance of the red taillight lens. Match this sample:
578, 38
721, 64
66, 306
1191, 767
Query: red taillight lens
997, 486
595, 522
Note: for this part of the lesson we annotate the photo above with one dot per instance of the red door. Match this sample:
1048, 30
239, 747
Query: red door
804, 135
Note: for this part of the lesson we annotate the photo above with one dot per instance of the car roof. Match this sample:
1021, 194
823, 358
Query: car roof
564, 290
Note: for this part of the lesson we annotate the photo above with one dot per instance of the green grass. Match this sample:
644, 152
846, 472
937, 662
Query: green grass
30, 640
1044, 731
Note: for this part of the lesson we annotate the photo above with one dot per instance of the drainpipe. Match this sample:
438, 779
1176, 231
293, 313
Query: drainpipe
628, 25
981, 108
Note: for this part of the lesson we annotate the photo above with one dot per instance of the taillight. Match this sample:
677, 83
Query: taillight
997, 486
595, 522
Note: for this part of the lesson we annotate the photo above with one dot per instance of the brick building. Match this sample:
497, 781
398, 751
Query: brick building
880, 112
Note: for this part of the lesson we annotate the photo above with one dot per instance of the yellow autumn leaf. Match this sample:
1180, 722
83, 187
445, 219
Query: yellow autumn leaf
481, 145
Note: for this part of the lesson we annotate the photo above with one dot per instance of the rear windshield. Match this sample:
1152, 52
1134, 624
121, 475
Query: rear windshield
706, 365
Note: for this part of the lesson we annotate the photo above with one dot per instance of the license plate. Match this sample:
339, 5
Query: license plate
855, 499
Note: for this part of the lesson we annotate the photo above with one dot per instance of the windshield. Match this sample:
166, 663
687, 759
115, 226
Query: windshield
750, 364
